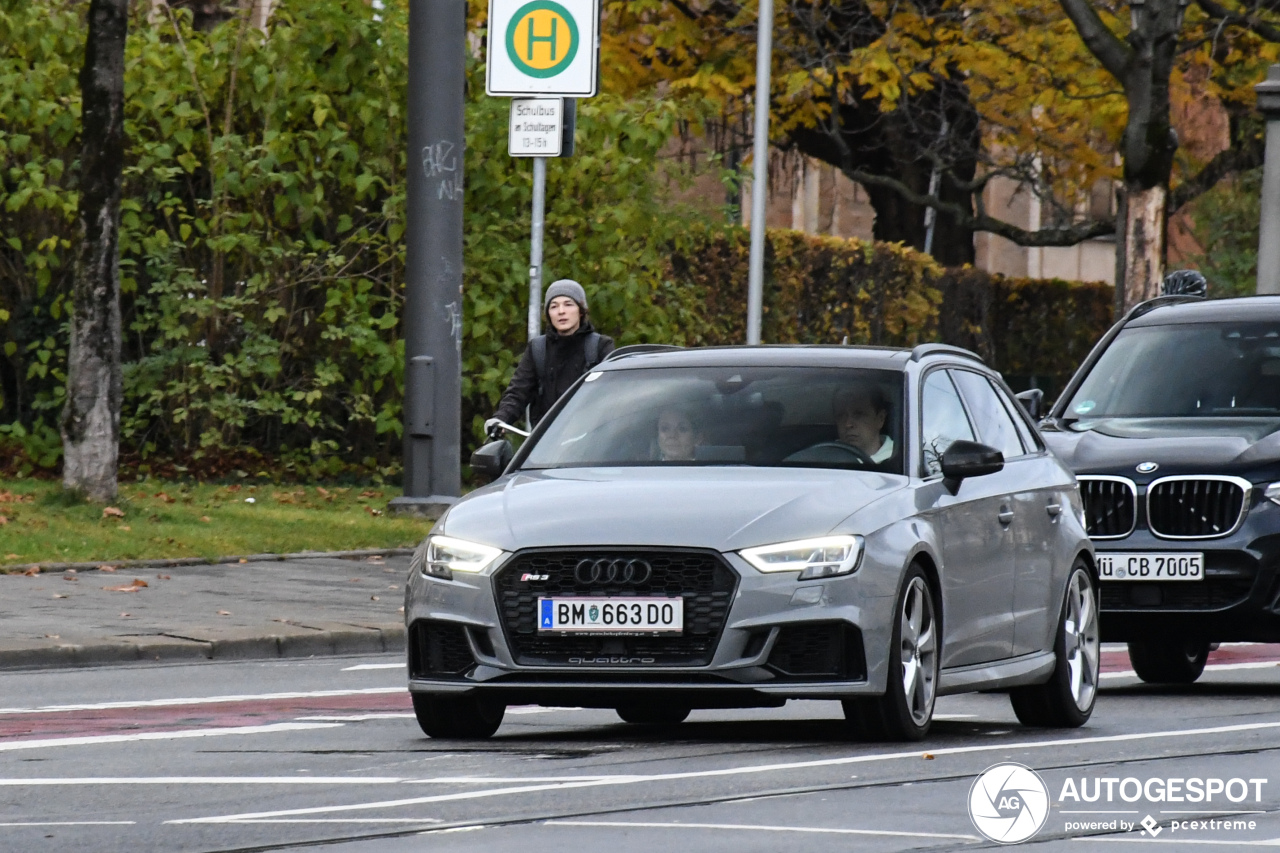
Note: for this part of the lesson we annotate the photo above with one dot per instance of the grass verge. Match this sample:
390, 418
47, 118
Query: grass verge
40, 523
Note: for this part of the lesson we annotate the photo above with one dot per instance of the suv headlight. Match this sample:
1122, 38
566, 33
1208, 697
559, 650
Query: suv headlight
441, 556
824, 557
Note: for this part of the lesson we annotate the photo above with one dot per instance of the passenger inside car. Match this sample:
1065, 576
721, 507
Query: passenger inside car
678, 435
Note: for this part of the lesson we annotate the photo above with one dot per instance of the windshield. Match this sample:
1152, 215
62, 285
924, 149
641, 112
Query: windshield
1202, 370
774, 416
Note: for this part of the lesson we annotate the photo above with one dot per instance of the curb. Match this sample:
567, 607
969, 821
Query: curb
201, 561
292, 640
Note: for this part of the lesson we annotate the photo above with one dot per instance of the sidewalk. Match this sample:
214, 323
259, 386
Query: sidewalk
317, 605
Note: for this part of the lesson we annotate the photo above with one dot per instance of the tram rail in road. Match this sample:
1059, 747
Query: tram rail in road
286, 755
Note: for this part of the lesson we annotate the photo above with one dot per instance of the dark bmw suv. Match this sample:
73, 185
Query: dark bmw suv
1172, 425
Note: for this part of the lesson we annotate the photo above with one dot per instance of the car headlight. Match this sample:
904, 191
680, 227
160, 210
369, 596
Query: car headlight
441, 556
1272, 493
824, 557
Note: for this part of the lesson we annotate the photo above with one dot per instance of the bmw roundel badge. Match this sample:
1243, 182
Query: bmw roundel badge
1147, 467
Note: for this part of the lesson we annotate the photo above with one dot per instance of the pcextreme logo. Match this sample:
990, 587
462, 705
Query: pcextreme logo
542, 38
1008, 803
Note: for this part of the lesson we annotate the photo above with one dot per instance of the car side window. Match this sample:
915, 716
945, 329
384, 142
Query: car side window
942, 420
1030, 440
995, 427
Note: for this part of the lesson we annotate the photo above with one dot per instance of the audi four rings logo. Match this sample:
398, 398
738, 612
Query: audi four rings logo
609, 570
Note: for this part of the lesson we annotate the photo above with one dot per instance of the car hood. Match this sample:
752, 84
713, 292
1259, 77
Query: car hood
721, 508
1177, 445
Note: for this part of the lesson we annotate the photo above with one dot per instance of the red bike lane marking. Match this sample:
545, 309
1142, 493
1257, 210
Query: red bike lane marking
1118, 661
45, 724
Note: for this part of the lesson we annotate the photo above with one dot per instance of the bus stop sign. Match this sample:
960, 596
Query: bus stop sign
543, 47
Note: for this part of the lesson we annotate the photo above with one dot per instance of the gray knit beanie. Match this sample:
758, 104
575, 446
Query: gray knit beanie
566, 287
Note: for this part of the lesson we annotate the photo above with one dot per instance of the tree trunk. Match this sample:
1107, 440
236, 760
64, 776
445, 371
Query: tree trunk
1143, 246
91, 418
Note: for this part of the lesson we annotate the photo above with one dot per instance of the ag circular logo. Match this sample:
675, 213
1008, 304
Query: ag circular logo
1008, 803
542, 38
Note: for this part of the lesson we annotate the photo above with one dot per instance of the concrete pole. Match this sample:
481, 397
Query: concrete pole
760, 171
535, 251
1269, 224
433, 262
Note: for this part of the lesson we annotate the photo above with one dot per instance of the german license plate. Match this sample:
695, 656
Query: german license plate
1154, 566
611, 615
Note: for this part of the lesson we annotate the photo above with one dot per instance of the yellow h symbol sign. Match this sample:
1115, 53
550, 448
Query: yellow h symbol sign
550, 39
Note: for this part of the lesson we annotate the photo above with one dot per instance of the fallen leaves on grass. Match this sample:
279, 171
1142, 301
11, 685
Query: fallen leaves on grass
206, 519
3, 520
112, 512
137, 584
12, 556
370, 493
162, 496
372, 511
8, 497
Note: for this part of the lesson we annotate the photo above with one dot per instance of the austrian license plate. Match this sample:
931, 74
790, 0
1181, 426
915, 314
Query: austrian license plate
1155, 566
611, 615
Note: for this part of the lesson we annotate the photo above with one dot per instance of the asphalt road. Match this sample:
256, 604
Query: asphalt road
324, 754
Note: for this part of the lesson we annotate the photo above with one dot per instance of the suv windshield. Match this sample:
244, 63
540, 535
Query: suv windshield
770, 416
1202, 370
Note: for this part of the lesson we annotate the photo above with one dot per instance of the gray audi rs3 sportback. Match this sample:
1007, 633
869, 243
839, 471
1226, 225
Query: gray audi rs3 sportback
739, 526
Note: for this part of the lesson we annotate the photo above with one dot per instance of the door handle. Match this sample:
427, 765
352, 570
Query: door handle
1054, 509
1006, 515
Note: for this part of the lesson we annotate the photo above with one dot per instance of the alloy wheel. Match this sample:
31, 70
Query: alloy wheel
919, 651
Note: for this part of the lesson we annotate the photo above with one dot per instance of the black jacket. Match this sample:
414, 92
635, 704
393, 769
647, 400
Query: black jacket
566, 361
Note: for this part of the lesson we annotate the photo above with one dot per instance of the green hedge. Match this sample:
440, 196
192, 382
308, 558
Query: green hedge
826, 290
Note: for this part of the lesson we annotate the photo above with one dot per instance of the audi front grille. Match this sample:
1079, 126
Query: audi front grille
1110, 506
701, 578
1196, 507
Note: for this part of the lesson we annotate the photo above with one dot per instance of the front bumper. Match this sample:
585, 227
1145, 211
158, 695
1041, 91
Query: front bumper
1237, 601
750, 639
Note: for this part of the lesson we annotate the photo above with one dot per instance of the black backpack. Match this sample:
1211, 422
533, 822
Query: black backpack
538, 349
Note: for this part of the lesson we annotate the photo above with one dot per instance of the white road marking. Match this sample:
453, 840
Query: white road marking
347, 820
1213, 667
758, 828
205, 780
534, 709
206, 700
75, 823
734, 771
373, 666
357, 718
7, 746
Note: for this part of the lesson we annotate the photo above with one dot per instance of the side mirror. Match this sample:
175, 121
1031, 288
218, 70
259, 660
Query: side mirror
964, 459
491, 460
1033, 402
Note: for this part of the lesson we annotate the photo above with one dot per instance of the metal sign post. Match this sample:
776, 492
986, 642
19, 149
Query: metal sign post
548, 48
760, 169
1269, 220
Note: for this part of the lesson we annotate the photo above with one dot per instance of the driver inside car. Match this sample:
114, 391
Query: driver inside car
861, 411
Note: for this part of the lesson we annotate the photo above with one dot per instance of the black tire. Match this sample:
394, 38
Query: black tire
457, 719
653, 714
1168, 660
895, 715
1066, 700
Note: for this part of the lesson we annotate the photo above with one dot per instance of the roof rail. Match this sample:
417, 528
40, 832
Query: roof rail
943, 349
639, 349
1158, 302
